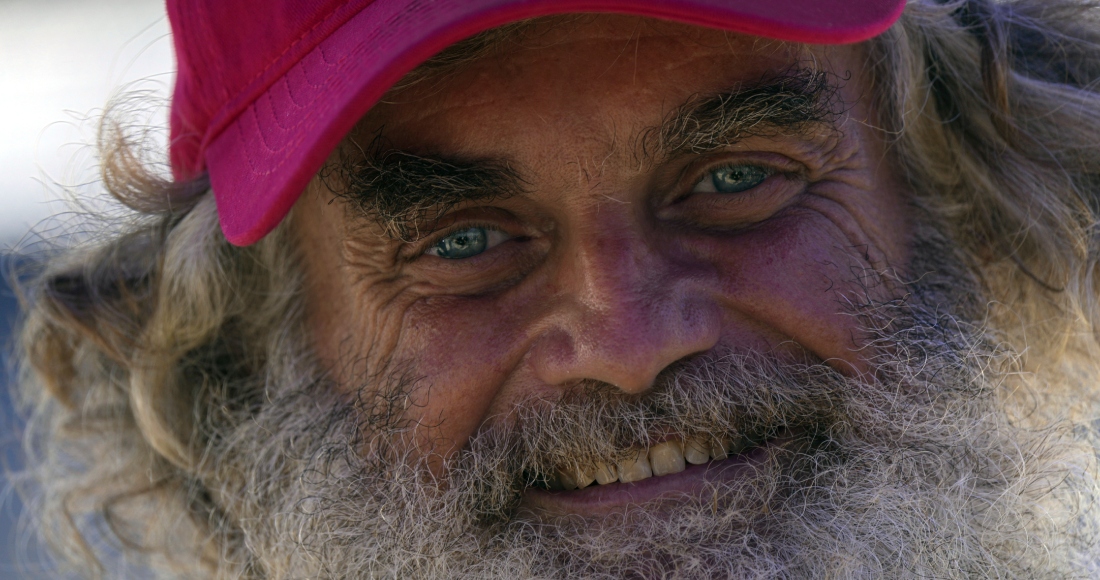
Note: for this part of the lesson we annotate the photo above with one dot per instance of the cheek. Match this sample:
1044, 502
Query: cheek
463, 351
793, 276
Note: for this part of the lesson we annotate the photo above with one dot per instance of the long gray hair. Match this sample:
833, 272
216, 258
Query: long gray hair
140, 349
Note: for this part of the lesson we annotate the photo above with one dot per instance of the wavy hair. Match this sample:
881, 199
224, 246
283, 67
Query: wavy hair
138, 350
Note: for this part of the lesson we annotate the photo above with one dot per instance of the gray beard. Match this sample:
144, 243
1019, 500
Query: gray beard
917, 472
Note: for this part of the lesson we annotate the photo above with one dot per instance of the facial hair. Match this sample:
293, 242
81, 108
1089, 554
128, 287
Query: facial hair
914, 471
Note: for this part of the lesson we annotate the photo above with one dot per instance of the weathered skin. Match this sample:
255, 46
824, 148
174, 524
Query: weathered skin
613, 271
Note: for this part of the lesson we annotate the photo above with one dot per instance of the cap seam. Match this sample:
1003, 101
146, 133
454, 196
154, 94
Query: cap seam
253, 89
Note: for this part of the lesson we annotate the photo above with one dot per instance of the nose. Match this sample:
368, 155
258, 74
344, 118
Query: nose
626, 312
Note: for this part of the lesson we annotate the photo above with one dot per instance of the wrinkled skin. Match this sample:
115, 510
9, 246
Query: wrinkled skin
612, 267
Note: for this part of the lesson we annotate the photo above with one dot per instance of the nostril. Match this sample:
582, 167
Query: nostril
552, 356
634, 383
627, 348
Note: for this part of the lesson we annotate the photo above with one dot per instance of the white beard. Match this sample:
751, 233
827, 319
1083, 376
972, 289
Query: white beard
919, 473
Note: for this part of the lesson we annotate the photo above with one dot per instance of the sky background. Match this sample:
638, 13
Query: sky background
60, 63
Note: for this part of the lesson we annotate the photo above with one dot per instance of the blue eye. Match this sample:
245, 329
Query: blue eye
732, 179
467, 243
461, 244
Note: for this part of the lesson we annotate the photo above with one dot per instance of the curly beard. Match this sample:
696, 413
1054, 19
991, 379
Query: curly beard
917, 471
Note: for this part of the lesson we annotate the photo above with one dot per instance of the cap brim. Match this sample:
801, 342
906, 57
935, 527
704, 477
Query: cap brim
260, 163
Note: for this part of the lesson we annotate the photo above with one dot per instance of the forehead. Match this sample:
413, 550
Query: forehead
605, 75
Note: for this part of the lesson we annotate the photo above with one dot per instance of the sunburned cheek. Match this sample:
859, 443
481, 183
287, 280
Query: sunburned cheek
463, 350
795, 276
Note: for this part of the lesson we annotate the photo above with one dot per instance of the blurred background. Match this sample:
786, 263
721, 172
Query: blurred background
61, 61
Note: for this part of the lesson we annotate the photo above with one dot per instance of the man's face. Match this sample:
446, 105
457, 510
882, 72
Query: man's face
628, 297
623, 229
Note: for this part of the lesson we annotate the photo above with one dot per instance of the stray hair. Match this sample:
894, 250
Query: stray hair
141, 351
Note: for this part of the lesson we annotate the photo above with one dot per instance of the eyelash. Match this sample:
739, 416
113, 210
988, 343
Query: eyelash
698, 176
434, 239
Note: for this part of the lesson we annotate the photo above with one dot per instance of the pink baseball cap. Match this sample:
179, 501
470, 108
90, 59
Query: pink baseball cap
266, 89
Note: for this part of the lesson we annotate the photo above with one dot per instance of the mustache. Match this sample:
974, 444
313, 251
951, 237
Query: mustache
743, 397
738, 396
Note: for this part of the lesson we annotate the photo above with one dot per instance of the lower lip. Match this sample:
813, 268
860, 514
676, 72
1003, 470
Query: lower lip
597, 500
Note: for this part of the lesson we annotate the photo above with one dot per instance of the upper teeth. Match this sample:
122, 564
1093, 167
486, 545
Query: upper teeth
635, 469
665, 458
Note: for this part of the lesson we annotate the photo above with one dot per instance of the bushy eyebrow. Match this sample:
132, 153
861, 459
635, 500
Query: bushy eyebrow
792, 103
404, 192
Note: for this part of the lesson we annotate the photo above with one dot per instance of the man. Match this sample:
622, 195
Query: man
607, 289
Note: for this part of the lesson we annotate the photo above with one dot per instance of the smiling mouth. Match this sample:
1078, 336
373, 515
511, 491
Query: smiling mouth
672, 467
